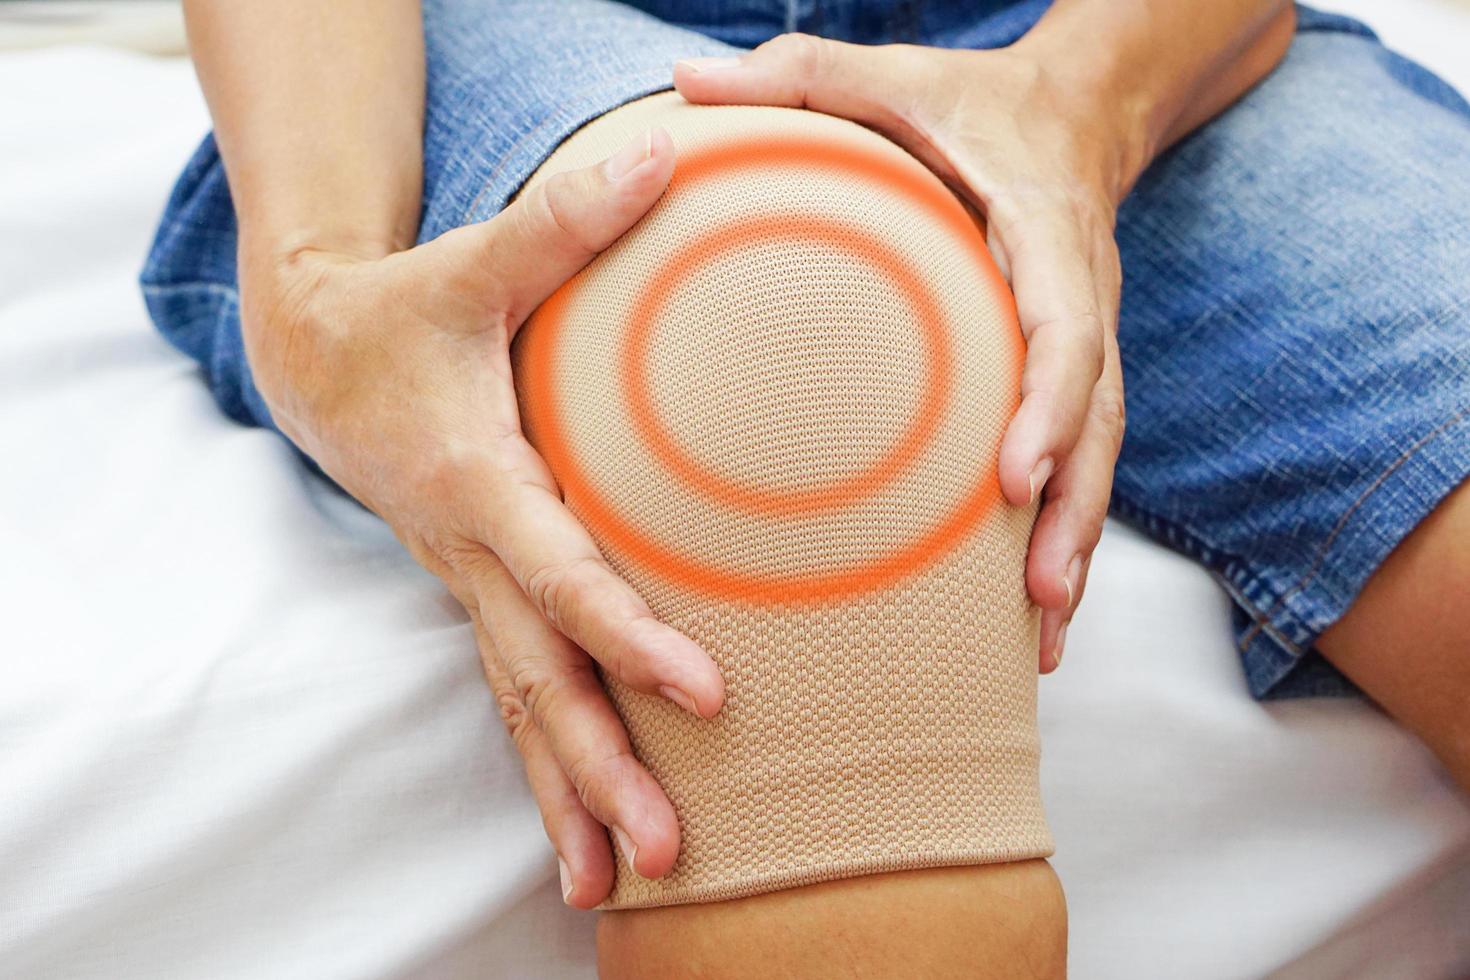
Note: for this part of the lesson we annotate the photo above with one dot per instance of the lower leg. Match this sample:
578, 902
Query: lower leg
979, 921
1406, 639
864, 730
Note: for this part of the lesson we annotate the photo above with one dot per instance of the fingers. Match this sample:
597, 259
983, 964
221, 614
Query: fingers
579, 839
520, 517
1054, 624
802, 71
1076, 504
512, 262
585, 774
1063, 443
1056, 299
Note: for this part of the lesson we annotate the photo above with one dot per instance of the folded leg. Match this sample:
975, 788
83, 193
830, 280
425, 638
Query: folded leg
1296, 346
777, 403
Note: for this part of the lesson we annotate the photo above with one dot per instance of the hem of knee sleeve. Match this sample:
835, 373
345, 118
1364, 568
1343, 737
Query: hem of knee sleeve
759, 884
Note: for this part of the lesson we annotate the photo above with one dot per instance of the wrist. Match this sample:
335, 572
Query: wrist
281, 220
1092, 145
287, 287
278, 246
1145, 74
281, 268
299, 202
1115, 118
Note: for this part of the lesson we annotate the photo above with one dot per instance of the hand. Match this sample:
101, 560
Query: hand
1047, 175
393, 373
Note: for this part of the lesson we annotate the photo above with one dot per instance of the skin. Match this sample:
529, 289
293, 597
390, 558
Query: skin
1406, 639
388, 364
909, 923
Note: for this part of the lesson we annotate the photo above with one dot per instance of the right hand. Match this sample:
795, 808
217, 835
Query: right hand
393, 373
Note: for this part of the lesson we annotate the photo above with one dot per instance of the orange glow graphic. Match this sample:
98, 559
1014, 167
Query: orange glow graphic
548, 433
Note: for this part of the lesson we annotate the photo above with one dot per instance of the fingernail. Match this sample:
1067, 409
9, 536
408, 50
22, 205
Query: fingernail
626, 845
1056, 653
1039, 474
1073, 571
566, 880
709, 64
626, 160
679, 697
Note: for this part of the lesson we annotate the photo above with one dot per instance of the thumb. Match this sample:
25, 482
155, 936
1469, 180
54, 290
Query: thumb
858, 82
512, 262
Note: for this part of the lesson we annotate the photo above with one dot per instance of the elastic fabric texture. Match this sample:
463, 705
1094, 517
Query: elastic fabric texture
889, 727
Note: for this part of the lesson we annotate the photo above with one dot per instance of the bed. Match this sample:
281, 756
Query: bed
243, 735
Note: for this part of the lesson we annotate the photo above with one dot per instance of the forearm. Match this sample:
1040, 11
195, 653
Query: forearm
1153, 70
318, 112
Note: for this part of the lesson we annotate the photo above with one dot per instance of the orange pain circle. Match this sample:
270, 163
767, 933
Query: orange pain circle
887, 171
804, 230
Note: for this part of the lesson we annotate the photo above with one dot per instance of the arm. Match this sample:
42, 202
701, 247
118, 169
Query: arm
1044, 138
318, 111
1154, 71
390, 366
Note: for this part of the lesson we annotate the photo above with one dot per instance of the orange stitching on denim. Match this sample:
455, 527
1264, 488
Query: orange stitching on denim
1254, 612
1321, 556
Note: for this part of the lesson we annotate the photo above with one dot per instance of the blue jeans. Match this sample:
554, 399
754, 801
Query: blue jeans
1295, 325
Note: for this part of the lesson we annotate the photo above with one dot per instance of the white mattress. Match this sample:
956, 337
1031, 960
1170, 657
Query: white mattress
242, 735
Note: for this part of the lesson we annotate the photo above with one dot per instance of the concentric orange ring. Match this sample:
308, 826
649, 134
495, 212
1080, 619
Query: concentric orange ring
542, 333
888, 263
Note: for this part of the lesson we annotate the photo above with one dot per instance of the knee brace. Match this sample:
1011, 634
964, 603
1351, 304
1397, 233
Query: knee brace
777, 404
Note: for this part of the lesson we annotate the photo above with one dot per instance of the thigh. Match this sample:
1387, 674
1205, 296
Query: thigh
1406, 639
1295, 335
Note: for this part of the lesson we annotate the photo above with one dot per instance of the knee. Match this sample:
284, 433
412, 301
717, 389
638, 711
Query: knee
809, 321
777, 404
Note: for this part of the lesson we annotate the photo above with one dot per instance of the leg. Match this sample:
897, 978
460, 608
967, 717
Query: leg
985, 921
866, 803
500, 98
1296, 346
1406, 639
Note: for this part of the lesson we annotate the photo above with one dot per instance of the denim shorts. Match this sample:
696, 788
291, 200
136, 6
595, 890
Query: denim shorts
1295, 326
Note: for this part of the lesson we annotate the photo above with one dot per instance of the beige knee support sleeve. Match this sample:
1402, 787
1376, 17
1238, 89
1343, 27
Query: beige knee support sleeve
777, 404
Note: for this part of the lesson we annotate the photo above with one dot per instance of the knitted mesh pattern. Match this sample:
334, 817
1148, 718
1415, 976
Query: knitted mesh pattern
886, 729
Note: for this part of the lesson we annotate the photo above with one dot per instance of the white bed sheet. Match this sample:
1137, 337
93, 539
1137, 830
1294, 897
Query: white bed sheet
242, 735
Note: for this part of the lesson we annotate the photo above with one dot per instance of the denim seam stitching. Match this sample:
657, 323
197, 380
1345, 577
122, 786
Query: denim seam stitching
1184, 537
1259, 623
229, 292
1234, 575
1342, 523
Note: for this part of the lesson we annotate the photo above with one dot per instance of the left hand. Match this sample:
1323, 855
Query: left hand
1047, 171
